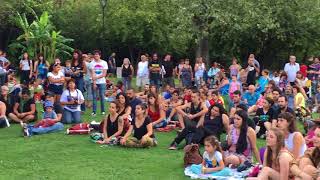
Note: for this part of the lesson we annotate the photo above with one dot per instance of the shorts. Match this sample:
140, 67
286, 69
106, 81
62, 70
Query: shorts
141, 81
56, 89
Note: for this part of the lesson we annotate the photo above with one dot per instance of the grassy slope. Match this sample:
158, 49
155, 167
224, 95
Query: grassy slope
58, 156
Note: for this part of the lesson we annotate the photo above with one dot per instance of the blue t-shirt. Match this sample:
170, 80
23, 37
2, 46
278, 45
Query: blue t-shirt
251, 98
49, 115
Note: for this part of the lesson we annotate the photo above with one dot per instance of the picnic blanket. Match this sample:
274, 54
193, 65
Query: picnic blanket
234, 175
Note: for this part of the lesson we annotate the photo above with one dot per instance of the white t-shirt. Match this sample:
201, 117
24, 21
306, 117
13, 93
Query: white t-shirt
68, 96
213, 161
291, 71
3, 61
56, 76
25, 64
143, 70
97, 68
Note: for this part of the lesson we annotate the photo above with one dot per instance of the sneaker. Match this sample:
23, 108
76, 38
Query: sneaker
155, 142
93, 114
103, 113
173, 146
26, 132
257, 129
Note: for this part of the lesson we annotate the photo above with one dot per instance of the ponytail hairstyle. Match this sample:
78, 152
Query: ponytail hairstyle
214, 142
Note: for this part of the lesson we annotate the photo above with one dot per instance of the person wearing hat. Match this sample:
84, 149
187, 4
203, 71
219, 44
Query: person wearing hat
49, 122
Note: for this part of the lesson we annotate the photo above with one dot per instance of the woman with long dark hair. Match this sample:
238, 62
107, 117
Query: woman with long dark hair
241, 141
279, 162
155, 111
26, 69
56, 80
78, 70
41, 67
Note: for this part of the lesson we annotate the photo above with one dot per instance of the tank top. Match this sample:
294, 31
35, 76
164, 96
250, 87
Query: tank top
195, 110
77, 67
200, 71
234, 71
234, 141
289, 144
185, 73
42, 69
112, 127
154, 116
126, 72
213, 125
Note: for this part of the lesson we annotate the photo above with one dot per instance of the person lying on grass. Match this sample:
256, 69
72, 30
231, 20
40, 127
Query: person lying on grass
49, 122
142, 130
112, 126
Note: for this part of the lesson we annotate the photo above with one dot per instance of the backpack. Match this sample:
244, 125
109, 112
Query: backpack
81, 128
192, 155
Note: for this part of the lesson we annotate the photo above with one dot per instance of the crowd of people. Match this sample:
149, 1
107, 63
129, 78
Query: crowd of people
244, 102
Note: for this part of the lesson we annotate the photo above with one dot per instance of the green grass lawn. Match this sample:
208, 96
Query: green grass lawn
60, 156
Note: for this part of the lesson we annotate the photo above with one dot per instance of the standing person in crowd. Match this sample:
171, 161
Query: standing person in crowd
169, 69
252, 70
71, 99
141, 127
178, 69
41, 67
291, 68
142, 72
4, 66
78, 70
24, 108
241, 141
213, 71
56, 80
155, 68
235, 67
294, 140
186, 74
26, 69
199, 70
98, 68
112, 70
313, 73
126, 73
87, 82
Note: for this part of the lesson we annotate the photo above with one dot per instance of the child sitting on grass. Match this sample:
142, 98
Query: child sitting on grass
212, 159
49, 122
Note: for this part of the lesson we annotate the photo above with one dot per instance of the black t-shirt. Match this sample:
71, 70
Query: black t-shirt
265, 117
142, 130
112, 127
9, 104
75, 68
289, 110
155, 64
251, 77
25, 106
213, 126
57, 108
168, 67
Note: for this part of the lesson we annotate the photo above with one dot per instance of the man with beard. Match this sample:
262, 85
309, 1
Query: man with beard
143, 95
283, 107
133, 100
235, 102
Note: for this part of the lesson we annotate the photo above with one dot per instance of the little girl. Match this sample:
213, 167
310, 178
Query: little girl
234, 85
212, 162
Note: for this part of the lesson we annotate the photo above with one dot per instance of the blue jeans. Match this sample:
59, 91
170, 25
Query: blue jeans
126, 83
80, 86
44, 130
70, 117
101, 88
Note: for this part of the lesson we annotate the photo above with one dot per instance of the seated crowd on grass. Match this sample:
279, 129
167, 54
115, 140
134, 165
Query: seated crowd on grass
243, 102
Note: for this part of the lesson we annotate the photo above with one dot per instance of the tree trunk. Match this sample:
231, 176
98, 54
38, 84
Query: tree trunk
203, 50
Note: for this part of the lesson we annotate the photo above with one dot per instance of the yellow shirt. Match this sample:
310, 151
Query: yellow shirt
303, 102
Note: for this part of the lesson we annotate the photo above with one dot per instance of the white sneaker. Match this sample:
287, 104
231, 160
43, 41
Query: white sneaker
103, 113
257, 129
